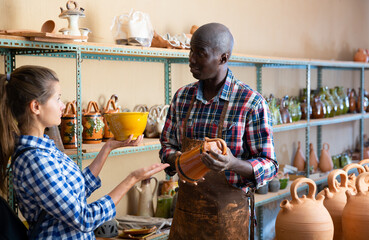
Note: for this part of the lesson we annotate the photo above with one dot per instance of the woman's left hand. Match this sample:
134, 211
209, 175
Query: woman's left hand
113, 144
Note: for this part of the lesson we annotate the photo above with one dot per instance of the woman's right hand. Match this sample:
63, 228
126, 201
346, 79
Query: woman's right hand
146, 172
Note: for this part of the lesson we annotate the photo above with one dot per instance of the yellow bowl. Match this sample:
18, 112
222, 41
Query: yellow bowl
126, 123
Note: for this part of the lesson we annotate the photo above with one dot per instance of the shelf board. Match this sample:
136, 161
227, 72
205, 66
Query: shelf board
290, 126
90, 151
24, 45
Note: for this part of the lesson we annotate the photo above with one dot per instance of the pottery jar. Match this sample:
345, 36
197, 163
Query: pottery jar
151, 130
351, 176
335, 199
361, 55
327, 99
303, 218
168, 187
325, 161
352, 99
299, 160
337, 100
274, 110
274, 185
189, 165
68, 126
93, 124
318, 108
107, 133
344, 98
355, 216
313, 159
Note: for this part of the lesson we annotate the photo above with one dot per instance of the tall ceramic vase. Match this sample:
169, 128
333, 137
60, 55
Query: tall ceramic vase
299, 160
355, 216
335, 199
303, 218
313, 158
325, 161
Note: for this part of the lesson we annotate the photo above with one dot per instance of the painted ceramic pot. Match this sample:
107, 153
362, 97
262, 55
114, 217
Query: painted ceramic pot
189, 166
93, 124
335, 199
68, 126
107, 132
355, 216
303, 218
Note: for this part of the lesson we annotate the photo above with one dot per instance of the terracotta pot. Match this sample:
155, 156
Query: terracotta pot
325, 161
189, 165
107, 133
352, 99
355, 216
68, 126
335, 199
352, 176
313, 158
93, 124
299, 160
303, 218
361, 56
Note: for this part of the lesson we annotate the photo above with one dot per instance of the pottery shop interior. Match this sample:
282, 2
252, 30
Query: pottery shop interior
273, 94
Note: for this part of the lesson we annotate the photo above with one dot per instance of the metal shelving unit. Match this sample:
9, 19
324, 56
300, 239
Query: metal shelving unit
11, 46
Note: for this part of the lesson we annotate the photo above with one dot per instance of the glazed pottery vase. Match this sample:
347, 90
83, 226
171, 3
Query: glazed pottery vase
274, 110
335, 199
151, 130
361, 55
330, 104
285, 114
168, 187
299, 160
160, 121
355, 216
313, 158
189, 166
68, 126
145, 199
351, 176
358, 104
325, 161
318, 108
107, 132
337, 100
274, 185
93, 124
344, 98
352, 99
305, 217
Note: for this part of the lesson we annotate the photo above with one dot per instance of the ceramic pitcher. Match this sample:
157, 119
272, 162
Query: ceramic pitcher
325, 161
335, 199
160, 121
93, 124
303, 218
299, 160
151, 130
145, 200
107, 133
68, 126
355, 216
352, 176
189, 165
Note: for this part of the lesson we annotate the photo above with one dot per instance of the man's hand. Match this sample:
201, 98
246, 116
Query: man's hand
218, 162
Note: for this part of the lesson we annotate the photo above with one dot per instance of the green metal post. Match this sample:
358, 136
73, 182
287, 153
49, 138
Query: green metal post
319, 128
362, 114
79, 107
168, 81
259, 78
307, 129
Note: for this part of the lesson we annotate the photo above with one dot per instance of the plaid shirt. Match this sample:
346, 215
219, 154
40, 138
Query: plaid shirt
247, 127
45, 178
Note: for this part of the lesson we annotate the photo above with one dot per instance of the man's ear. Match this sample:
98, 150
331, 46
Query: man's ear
224, 58
34, 106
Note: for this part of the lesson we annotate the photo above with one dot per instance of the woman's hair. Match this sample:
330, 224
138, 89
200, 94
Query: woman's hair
17, 90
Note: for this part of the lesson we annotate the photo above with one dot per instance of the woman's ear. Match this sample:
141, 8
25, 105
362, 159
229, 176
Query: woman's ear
34, 107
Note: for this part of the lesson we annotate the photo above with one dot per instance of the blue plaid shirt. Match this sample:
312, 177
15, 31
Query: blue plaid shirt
45, 178
247, 127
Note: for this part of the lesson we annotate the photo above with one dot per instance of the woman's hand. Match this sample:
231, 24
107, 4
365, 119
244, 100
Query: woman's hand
146, 172
113, 144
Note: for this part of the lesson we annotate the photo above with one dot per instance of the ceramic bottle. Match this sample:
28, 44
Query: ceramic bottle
305, 217
325, 161
145, 200
299, 160
355, 216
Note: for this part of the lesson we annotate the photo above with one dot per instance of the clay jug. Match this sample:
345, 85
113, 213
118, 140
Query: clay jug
285, 114
189, 165
355, 216
168, 187
303, 218
325, 161
299, 160
150, 130
68, 126
107, 133
352, 99
313, 158
344, 98
358, 104
54, 134
160, 121
361, 56
318, 110
93, 124
352, 176
145, 199
335, 199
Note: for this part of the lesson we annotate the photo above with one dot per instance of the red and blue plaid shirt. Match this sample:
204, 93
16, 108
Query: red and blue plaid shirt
247, 127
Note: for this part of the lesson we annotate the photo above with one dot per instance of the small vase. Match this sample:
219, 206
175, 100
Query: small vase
325, 161
299, 160
361, 56
313, 158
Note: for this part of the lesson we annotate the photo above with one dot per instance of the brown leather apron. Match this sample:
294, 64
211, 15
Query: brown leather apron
214, 209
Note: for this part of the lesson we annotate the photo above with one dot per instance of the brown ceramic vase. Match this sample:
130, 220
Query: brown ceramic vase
355, 216
68, 126
299, 160
303, 218
93, 125
325, 161
313, 158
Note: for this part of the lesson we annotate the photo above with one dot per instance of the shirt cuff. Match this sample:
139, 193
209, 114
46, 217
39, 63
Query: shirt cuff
108, 206
258, 173
92, 182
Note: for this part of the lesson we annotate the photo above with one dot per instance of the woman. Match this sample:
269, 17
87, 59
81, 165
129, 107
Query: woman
45, 179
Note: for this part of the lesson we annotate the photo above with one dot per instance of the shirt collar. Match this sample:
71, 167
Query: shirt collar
32, 141
224, 94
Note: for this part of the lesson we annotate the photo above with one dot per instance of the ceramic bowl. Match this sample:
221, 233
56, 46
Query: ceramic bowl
284, 183
124, 124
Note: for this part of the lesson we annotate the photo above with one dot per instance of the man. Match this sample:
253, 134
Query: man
217, 106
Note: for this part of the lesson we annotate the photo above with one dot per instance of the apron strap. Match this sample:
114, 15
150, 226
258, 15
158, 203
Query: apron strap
221, 119
250, 195
188, 116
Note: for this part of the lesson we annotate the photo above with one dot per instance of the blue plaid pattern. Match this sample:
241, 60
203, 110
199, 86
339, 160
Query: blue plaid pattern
46, 178
247, 127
